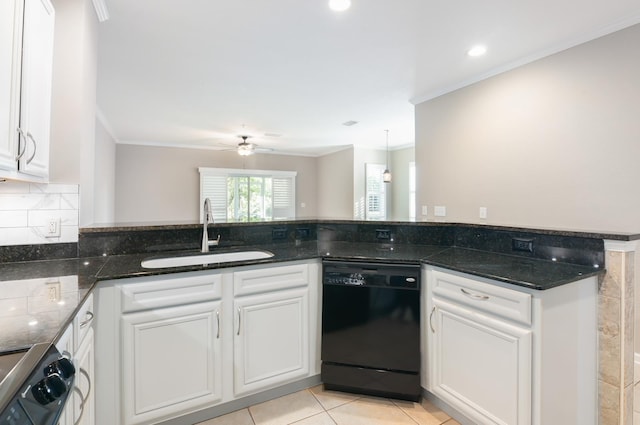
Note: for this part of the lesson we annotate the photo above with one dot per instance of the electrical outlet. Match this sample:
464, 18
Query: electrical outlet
53, 228
279, 233
483, 213
425, 210
53, 291
440, 211
383, 234
303, 233
521, 244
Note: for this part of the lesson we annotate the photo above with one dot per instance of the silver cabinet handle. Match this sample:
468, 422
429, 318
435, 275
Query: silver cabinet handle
239, 320
474, 296
89, 318
35, 147
84, 398
24, 145
218, 320
433, 310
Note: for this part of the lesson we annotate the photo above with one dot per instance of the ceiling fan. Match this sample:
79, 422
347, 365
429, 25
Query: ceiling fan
246, 148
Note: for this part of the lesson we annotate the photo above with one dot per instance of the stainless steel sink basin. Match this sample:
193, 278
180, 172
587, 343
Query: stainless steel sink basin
202, 259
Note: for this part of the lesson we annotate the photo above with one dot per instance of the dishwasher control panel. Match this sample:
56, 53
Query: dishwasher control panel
371, 274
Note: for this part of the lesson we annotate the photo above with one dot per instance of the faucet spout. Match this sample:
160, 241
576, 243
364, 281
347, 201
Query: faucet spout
207, 218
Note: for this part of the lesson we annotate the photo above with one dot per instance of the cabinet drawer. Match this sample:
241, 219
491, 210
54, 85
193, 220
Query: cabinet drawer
169, 290
493, 299
270, 278
83, 322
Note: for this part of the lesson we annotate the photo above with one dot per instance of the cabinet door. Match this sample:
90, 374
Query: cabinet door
10, 47
171, 362
84, 393
481, 365
35, 99
271, 339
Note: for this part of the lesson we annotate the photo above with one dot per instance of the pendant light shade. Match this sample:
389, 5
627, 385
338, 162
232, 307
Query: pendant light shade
386, 175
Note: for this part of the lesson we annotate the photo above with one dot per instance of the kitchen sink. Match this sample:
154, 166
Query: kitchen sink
202, 259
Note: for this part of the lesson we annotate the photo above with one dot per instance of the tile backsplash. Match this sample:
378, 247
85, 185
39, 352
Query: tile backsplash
27, 208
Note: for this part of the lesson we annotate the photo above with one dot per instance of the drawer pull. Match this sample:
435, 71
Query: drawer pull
89, 318
474, 296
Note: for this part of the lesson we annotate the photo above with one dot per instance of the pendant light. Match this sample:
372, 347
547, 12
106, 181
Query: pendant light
386, 175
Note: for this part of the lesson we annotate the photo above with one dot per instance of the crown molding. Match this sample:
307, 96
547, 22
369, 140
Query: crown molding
101, 10
567, 44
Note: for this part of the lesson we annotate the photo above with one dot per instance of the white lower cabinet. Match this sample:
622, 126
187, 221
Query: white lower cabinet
84, 394
174, 344
171, 361
78, 343
271, 343
506, 356
482, 363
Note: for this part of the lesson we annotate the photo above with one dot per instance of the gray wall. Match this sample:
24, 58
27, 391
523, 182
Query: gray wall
105, 176
554, 143
400, 160
335, 184
74, 100
162, 184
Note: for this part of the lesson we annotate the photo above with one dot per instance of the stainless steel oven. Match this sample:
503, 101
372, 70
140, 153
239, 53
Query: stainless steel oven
371, 328
33, 391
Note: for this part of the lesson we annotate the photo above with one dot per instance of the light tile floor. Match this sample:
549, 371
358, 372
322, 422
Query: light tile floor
315, 406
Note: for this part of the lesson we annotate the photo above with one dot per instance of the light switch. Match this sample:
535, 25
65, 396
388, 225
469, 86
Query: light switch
425, 210
440, 211
483, 212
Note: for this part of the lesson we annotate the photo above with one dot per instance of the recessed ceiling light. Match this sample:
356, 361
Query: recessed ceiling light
476, 51
349, 123
339, 5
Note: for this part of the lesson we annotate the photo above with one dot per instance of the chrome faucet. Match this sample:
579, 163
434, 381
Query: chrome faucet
207, 218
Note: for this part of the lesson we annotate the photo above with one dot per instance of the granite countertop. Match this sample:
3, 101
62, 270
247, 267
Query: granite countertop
25, 283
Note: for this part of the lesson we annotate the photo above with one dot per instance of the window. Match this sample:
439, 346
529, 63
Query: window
248, 195
376, 193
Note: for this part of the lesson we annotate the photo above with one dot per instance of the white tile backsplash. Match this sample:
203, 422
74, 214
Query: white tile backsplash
26, 208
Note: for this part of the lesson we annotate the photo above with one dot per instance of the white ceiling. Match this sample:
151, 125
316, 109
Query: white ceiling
193, 72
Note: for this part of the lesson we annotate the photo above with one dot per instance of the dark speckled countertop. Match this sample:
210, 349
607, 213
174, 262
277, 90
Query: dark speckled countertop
525, 272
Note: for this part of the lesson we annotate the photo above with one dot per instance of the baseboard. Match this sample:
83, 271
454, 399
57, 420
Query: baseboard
232, 406
445, 407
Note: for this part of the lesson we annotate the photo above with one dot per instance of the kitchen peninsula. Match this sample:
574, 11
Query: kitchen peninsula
559, 258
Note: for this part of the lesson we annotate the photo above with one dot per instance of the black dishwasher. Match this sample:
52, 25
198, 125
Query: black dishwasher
371, 328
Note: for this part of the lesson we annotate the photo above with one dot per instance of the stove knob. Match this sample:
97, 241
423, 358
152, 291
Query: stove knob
49, 389
62, 367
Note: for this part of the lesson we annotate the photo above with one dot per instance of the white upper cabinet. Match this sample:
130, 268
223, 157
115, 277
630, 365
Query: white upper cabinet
35, 99
26, 62
10, 48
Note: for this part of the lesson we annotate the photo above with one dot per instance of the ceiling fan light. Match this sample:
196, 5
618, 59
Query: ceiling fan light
245, 149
